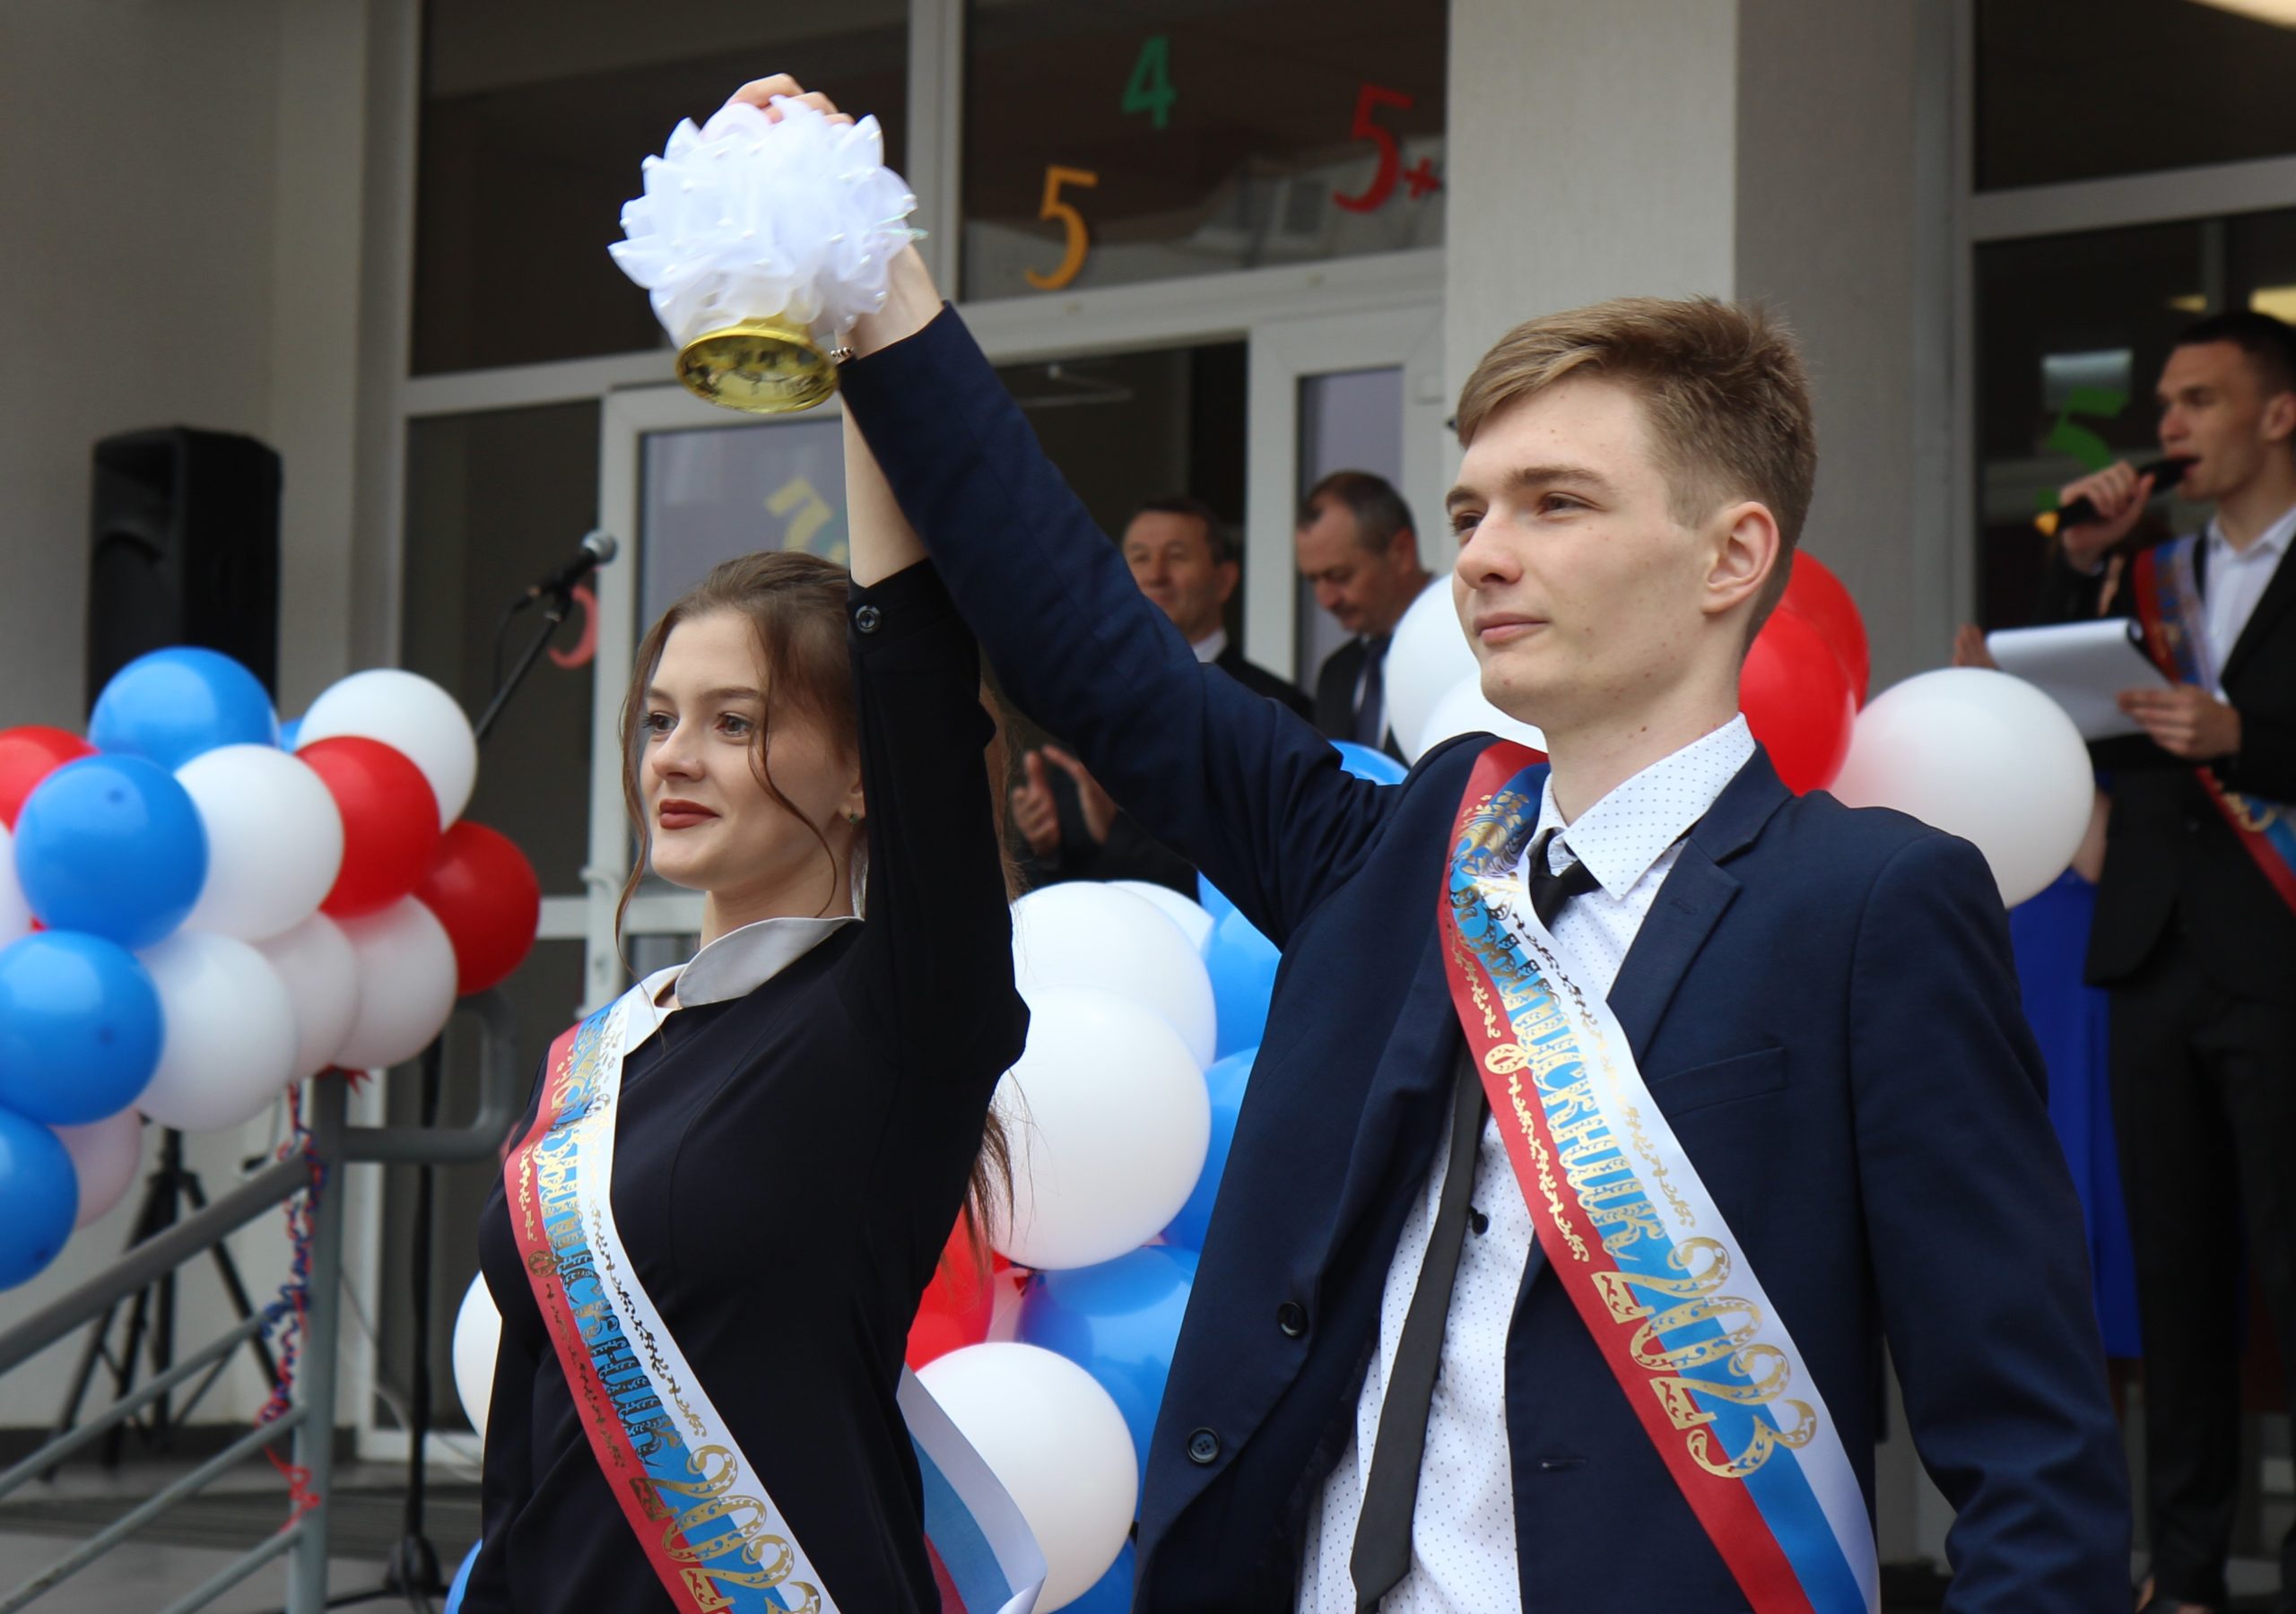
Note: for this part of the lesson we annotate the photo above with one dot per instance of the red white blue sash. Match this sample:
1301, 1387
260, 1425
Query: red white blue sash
2176, 635
699, 1507
1657, 1275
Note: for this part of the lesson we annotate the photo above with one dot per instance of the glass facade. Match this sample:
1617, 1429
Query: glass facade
1110, 145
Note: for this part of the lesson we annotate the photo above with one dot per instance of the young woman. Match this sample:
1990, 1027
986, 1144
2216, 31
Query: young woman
734, 1238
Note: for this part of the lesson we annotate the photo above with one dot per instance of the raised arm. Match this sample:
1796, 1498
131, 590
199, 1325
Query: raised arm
1246, 790
935, 967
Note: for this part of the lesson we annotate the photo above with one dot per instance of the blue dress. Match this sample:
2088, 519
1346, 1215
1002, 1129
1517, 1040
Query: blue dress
2051, 935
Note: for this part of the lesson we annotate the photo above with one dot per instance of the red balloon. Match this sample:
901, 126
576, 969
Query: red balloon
958, 1302
29, 755
1821, 599
390, 821
1798, 697
484, 891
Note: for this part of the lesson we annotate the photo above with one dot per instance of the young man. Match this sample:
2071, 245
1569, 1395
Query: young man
1357, 547
1811, 1094
2197, 922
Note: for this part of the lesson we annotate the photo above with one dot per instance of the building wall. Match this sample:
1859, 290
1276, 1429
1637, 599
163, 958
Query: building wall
182, 188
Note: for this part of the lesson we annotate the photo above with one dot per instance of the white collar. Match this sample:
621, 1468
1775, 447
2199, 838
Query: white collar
2272, 541
1212, 646
1621, 836
742, 960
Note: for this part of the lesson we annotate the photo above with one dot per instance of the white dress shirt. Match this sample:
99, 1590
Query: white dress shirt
1212, 646
2232, 584
1463, 1530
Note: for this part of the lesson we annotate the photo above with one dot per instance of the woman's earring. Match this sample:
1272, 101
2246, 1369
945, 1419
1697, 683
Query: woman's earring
853, 818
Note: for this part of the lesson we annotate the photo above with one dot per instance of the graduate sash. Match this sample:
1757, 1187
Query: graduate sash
2176, 635
1634, 1238
697, 1506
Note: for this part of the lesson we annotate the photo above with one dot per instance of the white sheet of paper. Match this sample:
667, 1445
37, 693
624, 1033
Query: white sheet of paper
2083, 666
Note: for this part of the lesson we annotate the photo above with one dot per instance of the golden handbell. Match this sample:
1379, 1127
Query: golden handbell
759, 367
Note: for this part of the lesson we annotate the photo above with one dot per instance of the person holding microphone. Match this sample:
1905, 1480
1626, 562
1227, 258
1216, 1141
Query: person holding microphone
2195, 920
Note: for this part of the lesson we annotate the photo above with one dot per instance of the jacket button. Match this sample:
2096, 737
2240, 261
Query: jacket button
1292, 1317
1204, 1447
866, 618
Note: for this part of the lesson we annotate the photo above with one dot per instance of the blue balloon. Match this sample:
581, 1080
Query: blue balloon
1213, 900
81, 1028
1112, 1592
171, 705
1118, 1322
291, 729
1365, 763
112, 845
39, 1197
1242, 963
454, 1592
1226, 1080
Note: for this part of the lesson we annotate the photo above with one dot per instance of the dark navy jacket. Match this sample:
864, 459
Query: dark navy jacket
1822, 1001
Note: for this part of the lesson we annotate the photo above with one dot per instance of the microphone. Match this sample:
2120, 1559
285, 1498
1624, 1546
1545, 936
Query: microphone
2169, 473
598, 547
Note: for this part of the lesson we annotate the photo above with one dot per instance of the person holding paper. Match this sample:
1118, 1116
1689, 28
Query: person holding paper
1759, 1094
2195, 925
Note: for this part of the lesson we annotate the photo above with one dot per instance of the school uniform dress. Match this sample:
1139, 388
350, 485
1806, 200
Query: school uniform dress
794, 1145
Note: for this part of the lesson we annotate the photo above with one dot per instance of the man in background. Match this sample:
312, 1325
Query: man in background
1357, 547
1183, 560
2196, 924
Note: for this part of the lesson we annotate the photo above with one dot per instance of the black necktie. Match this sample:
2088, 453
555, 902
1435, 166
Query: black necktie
1371, 711
1382, 1552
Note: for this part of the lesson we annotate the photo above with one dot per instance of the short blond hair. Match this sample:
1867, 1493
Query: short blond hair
1721, 384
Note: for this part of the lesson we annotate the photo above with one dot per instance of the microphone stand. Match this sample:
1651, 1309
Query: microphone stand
412, 1571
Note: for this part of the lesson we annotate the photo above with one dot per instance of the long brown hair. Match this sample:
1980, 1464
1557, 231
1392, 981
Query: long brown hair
796, 603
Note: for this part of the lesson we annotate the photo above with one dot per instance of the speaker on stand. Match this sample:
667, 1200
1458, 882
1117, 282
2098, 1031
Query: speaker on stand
184, 550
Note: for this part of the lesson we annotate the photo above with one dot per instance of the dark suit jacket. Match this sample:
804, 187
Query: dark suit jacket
1823, 1000
1335, 696
2169, 852
1260, 682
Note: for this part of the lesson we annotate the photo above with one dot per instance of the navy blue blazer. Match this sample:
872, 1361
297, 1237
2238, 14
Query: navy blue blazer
1822, 1001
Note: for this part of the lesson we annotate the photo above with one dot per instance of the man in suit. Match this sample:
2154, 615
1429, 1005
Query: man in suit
2194, 934
1183, 558
1357, 547
1821, 1002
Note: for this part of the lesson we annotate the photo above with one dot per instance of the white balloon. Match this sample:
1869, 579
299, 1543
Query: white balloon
409, 712
316, 964
105, 1154
478, 1335
1462, 710
15, 913
406, 985
229, 1042
1081, 934
1426, 659
1057, 1443
274, 840
1108, 1120
1195, 924
1981, 755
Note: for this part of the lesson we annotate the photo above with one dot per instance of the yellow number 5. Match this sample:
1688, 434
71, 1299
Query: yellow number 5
1071, 260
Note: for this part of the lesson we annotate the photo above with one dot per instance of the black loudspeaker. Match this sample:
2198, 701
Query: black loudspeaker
185, 531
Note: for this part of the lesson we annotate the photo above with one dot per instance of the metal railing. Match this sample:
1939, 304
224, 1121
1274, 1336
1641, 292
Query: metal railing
311, 1418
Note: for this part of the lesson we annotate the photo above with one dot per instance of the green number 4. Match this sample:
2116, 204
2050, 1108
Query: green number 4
1150, 89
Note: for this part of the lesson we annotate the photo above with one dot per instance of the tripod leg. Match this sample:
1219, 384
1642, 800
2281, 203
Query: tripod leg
98, 1334
228, 1270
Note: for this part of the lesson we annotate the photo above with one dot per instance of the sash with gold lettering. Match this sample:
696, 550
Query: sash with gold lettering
700, 1509
1634, 1238
2176, 635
